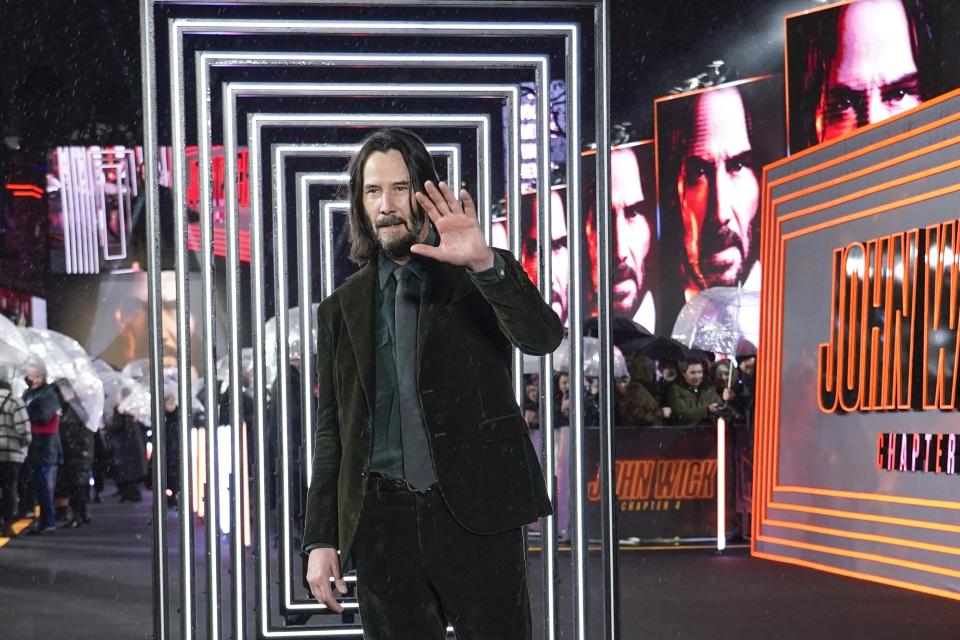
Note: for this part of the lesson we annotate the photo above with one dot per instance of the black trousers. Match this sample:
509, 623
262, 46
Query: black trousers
418, 570
9, 472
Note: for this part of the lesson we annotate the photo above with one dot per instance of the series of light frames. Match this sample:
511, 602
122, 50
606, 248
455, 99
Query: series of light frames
81, 225
126, 188
304, 181
177, 29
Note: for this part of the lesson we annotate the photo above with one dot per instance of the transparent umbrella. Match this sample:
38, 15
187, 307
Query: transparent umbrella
293, 339
724, 320
138, 369
591, 358
246, 368
65, 358
14, 353
119, 388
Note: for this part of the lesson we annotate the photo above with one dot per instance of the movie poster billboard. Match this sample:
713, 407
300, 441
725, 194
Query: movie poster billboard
857, 63
712, 145
633, 243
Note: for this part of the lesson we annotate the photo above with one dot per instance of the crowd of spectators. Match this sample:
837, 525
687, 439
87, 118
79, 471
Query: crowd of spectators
51, 460
692, 392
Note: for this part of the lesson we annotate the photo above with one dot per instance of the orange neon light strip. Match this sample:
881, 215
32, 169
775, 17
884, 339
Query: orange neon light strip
869, 537
23, 186
770, 366
876, 497
866, 517
858, 575
839, 221
860, 555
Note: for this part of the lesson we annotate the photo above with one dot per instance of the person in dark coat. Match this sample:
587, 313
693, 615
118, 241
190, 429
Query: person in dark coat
128, 458
171, 431
14, 442
101, 464
417, 425
78, 449
46, 452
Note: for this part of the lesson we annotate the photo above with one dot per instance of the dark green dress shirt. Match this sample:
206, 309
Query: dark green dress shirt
387, 457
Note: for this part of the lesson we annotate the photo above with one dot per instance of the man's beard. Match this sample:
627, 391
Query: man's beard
397, 247
721, 239
629, 305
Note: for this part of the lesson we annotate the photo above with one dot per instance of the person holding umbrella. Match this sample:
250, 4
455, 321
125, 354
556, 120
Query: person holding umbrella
78, 449
46, 451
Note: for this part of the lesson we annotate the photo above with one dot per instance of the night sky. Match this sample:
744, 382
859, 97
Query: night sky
68, 65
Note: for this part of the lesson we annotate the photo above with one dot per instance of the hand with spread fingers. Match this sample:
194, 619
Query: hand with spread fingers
461, 239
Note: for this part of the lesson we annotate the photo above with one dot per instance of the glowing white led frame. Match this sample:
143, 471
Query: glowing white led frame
601, 24
279, 154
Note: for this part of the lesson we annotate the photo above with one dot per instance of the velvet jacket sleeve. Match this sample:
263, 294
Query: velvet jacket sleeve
522, 314
320, 528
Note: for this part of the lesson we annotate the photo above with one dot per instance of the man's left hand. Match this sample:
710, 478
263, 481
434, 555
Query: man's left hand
461, 239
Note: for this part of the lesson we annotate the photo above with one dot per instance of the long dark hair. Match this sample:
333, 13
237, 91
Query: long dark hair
363, 240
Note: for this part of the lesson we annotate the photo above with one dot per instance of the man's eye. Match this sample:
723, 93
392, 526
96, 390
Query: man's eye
633, 210
735, 166
898, 94
842, 104
695, 175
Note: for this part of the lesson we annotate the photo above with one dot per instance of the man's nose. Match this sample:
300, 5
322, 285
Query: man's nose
877, 109
620, 230
723, 196
388, 202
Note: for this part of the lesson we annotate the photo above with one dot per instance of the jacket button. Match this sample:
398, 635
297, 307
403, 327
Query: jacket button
363, 472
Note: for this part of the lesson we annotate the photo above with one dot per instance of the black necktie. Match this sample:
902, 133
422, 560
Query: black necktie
417, 465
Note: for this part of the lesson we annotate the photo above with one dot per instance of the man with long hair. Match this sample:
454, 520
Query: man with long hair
858, 64
424, 472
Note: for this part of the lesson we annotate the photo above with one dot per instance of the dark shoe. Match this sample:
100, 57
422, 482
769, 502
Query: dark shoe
73, 524
41, 531
85, 519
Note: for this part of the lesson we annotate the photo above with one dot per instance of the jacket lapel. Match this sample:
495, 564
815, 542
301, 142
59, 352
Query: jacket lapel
356, 303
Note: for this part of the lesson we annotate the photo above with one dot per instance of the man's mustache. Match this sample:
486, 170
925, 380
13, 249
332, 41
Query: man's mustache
721, 239
389, 220
624, 272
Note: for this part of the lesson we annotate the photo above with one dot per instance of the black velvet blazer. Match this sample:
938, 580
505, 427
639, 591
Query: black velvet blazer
486, 467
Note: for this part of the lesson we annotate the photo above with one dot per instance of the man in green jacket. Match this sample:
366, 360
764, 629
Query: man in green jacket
424, 472
693, 401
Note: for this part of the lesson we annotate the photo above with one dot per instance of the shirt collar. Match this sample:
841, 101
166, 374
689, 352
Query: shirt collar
386, 266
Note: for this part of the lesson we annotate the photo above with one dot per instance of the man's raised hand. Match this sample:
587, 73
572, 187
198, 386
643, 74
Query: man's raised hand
461, 239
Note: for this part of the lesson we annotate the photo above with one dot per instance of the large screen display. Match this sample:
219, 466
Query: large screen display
634, 290
857, 63
712, 145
